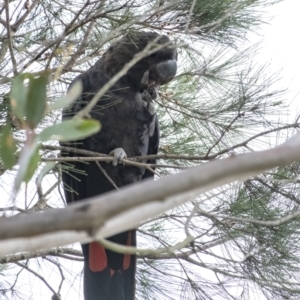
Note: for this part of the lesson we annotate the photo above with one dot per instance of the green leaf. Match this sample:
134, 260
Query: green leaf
7, 148
70, 130
45, 170
18, 95
66, 100
28, 163
32, 166
36, 100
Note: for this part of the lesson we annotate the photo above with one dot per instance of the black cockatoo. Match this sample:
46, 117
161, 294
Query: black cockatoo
129, 127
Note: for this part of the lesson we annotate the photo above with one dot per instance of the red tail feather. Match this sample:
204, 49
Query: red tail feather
126, 260
97, 257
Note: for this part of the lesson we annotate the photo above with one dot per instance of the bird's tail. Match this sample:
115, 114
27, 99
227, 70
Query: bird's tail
109, 275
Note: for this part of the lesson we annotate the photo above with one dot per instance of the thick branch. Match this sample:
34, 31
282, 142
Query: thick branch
117, 211
60, 252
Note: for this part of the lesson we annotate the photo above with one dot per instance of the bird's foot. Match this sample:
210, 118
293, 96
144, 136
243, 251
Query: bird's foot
147, 96
119, 154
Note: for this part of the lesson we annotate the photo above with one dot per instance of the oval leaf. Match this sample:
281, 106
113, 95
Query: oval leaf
18, 95
70, 130
28, 163
33, 163
45, 170
36, 100
73, 93
7, 148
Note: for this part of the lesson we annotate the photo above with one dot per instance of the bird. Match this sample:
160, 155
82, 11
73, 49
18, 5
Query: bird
129, 128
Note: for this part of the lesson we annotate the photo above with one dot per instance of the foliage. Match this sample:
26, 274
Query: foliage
29, 106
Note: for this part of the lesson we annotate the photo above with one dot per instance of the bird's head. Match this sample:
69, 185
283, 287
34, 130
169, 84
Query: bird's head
155, 69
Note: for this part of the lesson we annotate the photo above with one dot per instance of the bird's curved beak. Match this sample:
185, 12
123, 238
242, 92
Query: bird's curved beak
159, 74
165, 71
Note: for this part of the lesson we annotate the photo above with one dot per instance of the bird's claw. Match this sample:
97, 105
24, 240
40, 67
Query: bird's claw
119, 154
147, 96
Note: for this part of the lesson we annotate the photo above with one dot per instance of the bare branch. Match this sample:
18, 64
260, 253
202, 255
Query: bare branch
222, 134
25, 15
189, 16
67, 28
68, 253
110, 159
81, 48
106, 175
174, 156
38, 276
9, 37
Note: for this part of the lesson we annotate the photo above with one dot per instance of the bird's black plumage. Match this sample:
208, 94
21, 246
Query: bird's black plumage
129, 121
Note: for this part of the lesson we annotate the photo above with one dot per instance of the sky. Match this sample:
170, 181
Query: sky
281, 47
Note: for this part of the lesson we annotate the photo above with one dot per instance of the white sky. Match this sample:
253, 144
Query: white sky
281, 45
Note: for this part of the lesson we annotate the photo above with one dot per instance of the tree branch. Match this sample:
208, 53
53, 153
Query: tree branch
9, 37
65, 252
115, 211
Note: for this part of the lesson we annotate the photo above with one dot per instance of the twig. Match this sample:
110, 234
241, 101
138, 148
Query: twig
243, 144
24, 16
110, 159
106, 175
66, 30
223, 134
133, 250
39, 276
81, 48
9, 37
90, 18
175, 156
269, 223
189, 16
58, 265
13, 208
